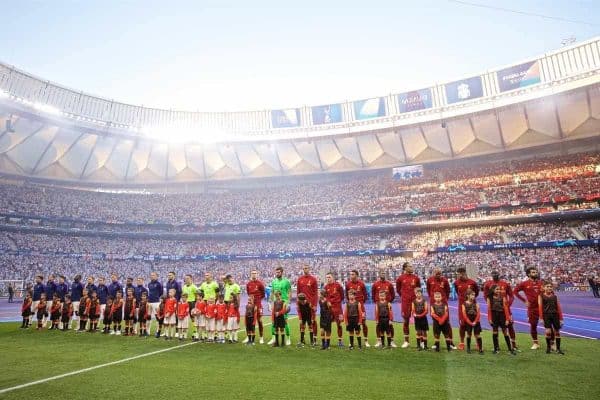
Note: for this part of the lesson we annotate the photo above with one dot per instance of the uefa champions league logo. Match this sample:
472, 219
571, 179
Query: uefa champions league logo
464, 92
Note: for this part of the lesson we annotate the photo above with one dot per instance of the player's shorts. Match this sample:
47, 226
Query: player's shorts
352, 325
94, 317
437, 328
384, 326
232, 324
34, 306
211, 324
183, 323
336, 311
129, 317
65, 319
220, 325
107, 320
421, 324
153, 309
551, 321
533, 315
117, 317
305, 319
55, 316
498, 319
279, 322
200, 320
250, 323
75, 307
473, 329
170, 320
325, 324
406, 308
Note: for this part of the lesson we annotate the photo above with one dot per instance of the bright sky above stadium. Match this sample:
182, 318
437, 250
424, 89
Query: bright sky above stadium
239, 55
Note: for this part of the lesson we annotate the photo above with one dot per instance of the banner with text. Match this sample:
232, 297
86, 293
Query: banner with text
414, 101
519, 76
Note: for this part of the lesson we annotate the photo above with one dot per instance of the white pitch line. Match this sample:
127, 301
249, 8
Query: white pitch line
81, 371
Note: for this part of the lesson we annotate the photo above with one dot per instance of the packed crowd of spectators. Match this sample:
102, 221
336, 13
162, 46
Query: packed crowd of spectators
447, 188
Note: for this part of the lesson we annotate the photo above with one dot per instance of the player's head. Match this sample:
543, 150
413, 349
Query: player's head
462, 273
101, 280
140, 281
351, 294
39, 279
188, 279
67, 298
28, 295
470, 295
129, 292
532, 273
221, 298
306, 269
113, 277
437, 297
254, 275
172, 292
55, 296
129, 281
382, 274
492, 291
418, 292
90, 280
184, 297
354, 275
548, 286
109, 299
279, 272
207, 276
77, 278
94, 294
228, 279
210, 300
437, 272
495, 275
171, 275
200, 294
407, 268
61, 279
329, 278
119, 294
153, 276
301, 297
144, 295
85, 292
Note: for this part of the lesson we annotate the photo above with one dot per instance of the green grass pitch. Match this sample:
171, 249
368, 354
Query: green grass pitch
235, 371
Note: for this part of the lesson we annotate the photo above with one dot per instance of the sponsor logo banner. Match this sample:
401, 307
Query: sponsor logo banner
369, 108
519, 76
464, 90
415, 100
285, 118
327, 114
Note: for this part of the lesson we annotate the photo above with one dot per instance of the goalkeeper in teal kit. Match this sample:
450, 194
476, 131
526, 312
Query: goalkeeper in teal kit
284, 286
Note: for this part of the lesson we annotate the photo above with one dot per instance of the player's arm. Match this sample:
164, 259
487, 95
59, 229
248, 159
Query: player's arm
434, 315
399, 286
392, 293
374, 293
507, 315
448, 289
391, 312
476, 289
559, 310
445, 316
489, 309
509, 294
540, 307
346, 314
517, 293
478, 316
463, 312
376, 312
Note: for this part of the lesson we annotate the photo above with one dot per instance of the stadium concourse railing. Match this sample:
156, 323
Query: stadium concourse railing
553, 72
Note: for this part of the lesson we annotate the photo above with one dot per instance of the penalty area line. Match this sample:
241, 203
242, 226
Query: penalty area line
84, 370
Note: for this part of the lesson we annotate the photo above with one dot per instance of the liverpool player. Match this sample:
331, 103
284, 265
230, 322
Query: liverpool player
462, 285
360, 293
309, 285
405, 286
383, 285
551, 314
256, 289
335, 296
507, 291
532, 288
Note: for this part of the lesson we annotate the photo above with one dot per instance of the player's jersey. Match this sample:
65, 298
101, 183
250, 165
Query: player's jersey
532, 289
284, 286
360, 290
308, 285
420, 307
440, 312
211, 310
200, 308
383, 311
406, 285
380, 286
438, 285
462, 286
221, 310
250, 311
505, 289
550, 306
170, 306
183, 309
256, 289
470, 311
233, 310
335, 293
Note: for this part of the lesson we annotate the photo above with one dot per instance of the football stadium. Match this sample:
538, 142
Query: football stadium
439, 241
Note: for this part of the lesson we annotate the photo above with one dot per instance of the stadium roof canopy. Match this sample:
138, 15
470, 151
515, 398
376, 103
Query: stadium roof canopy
51, 132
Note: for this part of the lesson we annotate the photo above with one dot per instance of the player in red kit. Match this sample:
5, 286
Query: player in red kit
439, 283
532, 288
383, 285
360, 294
462, 285
507, 292
405, 286
309, 285
335, 296
256, 289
